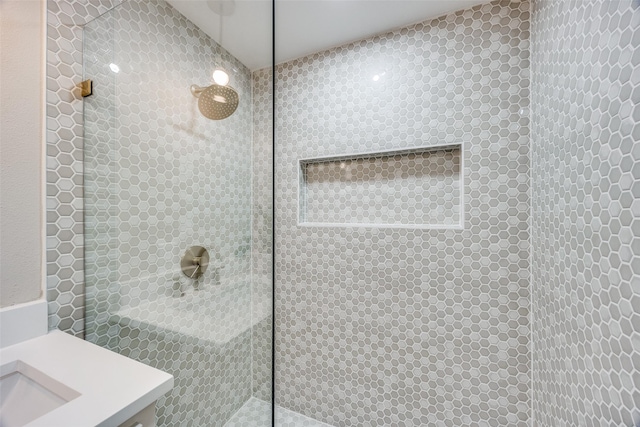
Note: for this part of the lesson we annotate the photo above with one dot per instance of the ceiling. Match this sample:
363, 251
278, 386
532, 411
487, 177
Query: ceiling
243, 27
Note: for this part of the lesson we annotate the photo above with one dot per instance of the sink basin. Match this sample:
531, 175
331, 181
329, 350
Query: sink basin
58, 380
27, 394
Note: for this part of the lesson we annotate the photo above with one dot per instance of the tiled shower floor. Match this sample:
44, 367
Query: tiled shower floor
257, 413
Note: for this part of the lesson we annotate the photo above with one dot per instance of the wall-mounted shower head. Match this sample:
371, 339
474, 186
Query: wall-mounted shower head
216, 102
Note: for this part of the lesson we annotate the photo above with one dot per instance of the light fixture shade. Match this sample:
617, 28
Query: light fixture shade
220, 77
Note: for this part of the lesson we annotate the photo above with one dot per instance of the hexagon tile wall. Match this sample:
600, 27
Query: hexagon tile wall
409, 327
585, 140
430, 327
262, 229
160, 178
65, 275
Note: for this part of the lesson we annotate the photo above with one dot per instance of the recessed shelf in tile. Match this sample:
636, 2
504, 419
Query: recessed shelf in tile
418, 188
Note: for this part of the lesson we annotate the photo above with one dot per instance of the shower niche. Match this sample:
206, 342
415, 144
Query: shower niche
418, 187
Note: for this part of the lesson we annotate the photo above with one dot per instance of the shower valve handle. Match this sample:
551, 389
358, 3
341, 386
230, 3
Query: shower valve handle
194, 262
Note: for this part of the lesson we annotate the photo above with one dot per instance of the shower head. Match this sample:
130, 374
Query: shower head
216, 102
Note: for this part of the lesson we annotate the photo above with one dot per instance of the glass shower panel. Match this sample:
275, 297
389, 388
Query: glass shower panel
100, 184
178, 207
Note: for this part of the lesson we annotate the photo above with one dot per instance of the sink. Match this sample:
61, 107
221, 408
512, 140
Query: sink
58, 380
27, 394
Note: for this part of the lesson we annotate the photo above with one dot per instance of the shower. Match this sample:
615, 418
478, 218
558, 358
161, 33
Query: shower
168, 209
443, 232
216, 102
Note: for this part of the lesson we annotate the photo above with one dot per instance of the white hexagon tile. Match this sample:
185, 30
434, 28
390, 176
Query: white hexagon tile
65, 275
585, 280
262, 230
160, 178
408, 327
375, 326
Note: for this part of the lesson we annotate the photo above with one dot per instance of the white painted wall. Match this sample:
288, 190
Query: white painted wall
22, 35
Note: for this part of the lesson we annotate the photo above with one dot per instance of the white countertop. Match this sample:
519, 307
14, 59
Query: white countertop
112, 387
